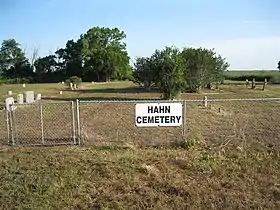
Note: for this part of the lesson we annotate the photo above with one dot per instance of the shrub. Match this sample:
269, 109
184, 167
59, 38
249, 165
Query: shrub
75, 80
274, 80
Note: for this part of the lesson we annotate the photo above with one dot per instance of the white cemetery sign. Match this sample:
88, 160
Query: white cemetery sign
20, 99
29, 97
158, 114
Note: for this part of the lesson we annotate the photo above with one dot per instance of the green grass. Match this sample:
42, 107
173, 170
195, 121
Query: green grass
230, 160
126, 178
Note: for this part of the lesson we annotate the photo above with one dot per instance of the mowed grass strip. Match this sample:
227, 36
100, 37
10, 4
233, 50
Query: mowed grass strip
126, 178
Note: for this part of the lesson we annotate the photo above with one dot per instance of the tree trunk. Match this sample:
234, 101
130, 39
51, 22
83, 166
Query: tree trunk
147, 86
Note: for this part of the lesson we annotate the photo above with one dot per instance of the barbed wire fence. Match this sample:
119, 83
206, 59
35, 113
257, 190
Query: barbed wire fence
215, 122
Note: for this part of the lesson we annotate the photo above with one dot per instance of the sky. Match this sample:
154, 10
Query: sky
245, 32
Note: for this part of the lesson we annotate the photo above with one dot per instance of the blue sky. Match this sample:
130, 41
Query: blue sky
246, 32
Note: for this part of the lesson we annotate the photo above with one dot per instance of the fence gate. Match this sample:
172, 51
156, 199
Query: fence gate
42, 123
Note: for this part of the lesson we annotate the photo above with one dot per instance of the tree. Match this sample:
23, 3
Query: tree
278, 65
70, 59
45, 67
13, 61
34, 56
105, 54
169, 67
202, 67
144, 72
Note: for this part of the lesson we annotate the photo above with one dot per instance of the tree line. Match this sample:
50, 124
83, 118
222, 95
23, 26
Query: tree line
100, 55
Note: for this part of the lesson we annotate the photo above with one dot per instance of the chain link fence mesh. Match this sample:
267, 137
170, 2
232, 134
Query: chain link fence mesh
224, 123
42, 124
26, 124
114, 122
221, 123
4, 135
58, 123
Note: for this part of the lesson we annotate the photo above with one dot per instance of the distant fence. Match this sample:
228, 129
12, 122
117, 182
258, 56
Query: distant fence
219, 122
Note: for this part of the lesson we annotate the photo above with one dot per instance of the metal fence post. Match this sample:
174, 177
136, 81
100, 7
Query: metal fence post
184, 118
8, 126
78, 121
12, 124
73, 122
41, 122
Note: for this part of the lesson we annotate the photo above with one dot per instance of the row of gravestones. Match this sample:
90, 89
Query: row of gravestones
29, 98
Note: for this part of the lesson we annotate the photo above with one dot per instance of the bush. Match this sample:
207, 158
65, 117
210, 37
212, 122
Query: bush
258, 78
274, 80
18, 80
75, 80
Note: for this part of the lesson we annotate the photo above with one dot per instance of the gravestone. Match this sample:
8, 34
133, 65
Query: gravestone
9, 101
29, 97
71, 85
38, 97
10, 92
20, 98
60, 92
62, 83
75, 86
23, 85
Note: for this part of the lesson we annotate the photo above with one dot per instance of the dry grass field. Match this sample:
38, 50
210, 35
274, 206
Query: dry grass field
228, 159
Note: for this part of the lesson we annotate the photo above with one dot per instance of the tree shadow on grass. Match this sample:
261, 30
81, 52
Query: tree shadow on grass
118, 90
99, 99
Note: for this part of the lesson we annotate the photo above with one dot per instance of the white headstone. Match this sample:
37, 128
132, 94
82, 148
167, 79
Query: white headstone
20, 99
38, 97
62, 83
23, 85
10, 92
71, 86
9, 101
75, 86
60, 92
29, 97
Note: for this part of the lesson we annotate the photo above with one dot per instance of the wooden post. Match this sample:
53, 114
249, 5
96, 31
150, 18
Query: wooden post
253, 83
247, 83
264, 83
205, 101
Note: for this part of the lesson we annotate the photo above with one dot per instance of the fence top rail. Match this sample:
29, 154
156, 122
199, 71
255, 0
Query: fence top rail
41, 102
174, 101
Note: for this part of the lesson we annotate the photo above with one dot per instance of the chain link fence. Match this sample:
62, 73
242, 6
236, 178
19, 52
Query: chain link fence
42, 124
234, 122
113, 122
4, 128
220, 122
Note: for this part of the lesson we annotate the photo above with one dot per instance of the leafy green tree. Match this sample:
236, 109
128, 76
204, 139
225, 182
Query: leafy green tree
105, 54
13, 61
45, 67
144, 72
202, 68
70, 59
169, 66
